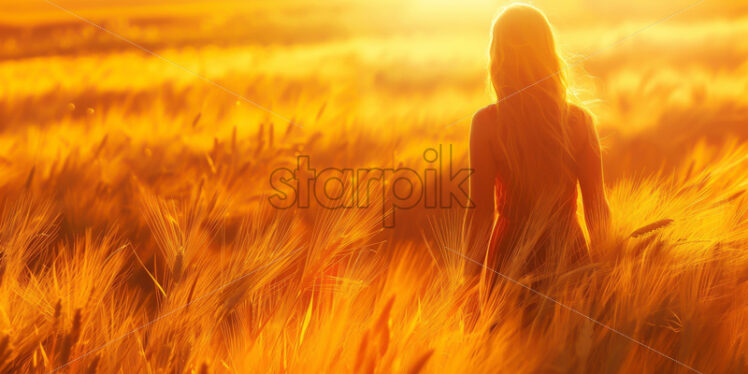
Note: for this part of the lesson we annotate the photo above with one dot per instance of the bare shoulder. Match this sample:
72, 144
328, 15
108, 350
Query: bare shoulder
486, 113
483, 119
582, 126
580, 117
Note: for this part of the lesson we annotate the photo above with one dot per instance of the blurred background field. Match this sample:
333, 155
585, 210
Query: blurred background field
131, 187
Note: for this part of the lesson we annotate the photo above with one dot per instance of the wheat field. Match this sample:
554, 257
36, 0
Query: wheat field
136, 233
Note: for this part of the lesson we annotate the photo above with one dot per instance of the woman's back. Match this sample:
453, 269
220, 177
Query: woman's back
529, 150
536, 202
551, 179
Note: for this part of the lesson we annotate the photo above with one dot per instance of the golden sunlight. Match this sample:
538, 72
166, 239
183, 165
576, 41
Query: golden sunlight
420, 186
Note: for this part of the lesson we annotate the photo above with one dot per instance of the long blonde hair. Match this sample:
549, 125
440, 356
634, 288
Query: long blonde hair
529, 79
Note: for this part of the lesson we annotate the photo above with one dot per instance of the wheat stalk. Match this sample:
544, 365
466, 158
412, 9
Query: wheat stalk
651, 227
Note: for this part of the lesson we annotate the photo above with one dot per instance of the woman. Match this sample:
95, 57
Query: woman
528, 151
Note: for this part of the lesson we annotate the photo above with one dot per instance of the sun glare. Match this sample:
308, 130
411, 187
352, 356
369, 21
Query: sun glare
284, 187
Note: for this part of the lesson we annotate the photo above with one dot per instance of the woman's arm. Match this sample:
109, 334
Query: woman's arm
479, 217
590, 169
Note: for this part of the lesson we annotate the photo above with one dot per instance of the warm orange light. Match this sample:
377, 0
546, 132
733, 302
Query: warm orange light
136, 233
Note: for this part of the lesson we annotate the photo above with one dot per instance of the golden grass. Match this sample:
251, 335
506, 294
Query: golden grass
135, 234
